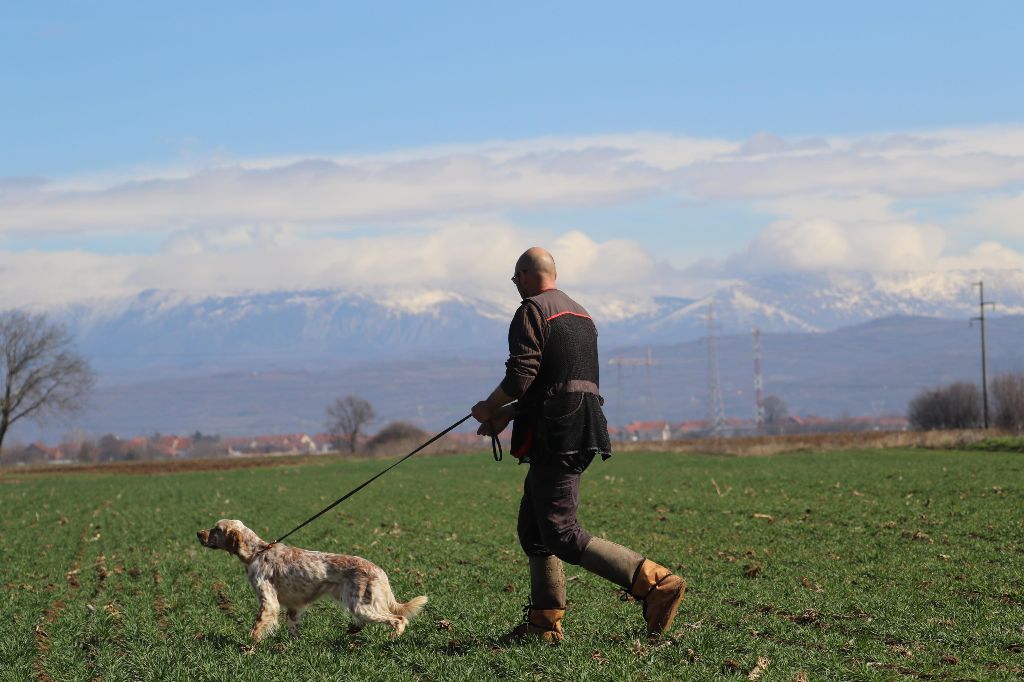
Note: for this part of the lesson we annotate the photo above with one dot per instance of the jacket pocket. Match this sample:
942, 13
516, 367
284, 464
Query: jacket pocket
562, 406
562, 424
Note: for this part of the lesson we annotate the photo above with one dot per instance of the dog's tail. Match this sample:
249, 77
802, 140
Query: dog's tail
409, 608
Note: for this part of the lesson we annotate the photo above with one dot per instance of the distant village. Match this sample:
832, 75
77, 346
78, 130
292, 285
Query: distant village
202, 446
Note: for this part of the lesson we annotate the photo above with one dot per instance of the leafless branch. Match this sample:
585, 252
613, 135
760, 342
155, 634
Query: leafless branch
41, 373
345, 419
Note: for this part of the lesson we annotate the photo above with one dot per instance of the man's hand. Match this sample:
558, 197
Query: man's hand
494, 426
482, 411
494, 414
496, 405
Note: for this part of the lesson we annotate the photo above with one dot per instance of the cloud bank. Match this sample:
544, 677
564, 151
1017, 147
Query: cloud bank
451, 217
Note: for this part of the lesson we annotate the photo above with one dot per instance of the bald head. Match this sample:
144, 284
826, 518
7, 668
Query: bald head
537, 259
535, 272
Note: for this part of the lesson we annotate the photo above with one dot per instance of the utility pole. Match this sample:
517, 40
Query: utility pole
984, 358
649, 362
619, 361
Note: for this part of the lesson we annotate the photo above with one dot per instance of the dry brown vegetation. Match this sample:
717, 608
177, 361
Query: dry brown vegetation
752, 446
444, 446
746, 446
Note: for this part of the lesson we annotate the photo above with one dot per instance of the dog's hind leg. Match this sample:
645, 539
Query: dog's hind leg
372, 613
294, 615
398, 623
347, 598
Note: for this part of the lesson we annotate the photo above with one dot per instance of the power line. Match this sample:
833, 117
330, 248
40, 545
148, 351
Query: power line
620, 360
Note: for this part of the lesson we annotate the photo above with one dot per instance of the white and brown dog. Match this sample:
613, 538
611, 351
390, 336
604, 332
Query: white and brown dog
295, 578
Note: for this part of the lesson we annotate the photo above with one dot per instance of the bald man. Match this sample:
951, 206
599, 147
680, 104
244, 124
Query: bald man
553, 373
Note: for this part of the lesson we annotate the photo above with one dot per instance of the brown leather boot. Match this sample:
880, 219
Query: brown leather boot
661, 592
544, 625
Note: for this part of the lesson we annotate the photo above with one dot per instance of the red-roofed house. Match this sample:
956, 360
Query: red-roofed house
649, 430
171, 446
283, 444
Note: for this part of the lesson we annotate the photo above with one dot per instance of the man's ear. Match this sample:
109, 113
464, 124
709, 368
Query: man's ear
234, 540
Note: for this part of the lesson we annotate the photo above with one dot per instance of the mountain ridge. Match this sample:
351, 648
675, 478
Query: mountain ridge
168, 331
870, 369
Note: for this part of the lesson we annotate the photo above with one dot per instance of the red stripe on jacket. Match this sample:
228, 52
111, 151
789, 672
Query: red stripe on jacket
567, 312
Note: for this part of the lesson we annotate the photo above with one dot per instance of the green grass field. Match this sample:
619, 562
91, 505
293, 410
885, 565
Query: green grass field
853, 565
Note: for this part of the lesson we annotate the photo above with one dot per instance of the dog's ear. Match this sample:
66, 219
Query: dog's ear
233, 540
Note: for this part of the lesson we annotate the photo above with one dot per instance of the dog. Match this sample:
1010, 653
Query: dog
296, 578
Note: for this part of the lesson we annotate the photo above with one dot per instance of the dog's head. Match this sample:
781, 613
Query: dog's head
228, 535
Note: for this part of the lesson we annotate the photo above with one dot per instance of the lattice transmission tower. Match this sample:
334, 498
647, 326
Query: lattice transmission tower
716, 410
758, 381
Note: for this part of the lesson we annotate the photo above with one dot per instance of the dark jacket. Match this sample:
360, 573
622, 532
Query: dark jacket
554, 371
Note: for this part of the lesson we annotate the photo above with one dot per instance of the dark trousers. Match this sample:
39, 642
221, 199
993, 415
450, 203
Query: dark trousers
547, 513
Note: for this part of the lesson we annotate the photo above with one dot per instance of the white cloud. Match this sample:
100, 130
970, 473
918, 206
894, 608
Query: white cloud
475, 258
849, 206
987, 255
826, 245
227, 239
44, 278
920, 174
766, 144
315, 191
1000, 215
610, 264
444, 217
1003, 140
532, 174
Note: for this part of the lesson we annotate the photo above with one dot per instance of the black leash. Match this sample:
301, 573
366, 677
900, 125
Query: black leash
496, 447
495, 450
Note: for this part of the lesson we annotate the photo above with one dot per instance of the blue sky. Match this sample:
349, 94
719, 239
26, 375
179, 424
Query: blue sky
100, 85
703, 141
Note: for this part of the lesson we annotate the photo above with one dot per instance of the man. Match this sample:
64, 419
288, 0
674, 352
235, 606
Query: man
553, 374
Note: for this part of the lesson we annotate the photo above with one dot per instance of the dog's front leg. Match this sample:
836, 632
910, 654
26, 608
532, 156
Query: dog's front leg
266, 619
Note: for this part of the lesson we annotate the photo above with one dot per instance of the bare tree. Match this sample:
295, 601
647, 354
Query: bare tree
957, 406
88, 452
41, 373
345, 419
1008, 396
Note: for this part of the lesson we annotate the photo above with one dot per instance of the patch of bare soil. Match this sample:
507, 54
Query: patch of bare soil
223, 601
42, 640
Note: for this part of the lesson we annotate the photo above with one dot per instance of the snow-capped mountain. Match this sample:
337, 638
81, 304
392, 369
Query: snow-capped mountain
270, 362
310, 328
164, 330
829, 301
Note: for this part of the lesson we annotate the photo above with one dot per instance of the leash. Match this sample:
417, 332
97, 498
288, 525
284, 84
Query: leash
495, 450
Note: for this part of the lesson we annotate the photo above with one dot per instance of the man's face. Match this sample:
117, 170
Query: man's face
523, 279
